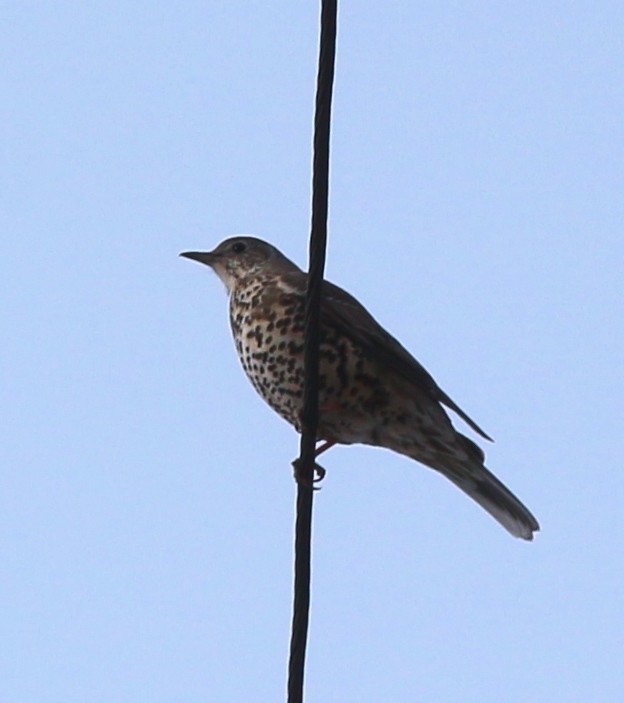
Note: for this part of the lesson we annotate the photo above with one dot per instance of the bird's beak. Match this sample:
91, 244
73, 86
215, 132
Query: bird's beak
204, 257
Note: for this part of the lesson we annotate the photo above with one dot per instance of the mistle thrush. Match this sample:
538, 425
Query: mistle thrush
371, 389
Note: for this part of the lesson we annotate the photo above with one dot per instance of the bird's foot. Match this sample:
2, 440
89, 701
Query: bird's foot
317, 476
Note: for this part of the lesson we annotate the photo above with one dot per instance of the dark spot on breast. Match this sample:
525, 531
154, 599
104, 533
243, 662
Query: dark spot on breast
295, 348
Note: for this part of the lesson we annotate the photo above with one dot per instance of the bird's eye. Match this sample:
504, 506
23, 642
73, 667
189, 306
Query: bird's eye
238, 247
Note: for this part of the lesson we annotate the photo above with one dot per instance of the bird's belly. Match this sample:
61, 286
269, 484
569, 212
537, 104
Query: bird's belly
354, 403
273, 362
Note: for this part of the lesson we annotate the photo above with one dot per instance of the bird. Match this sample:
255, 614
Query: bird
372, 391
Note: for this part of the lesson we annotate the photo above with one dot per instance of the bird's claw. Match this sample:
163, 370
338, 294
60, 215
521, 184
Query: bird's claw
319, 472
318, 475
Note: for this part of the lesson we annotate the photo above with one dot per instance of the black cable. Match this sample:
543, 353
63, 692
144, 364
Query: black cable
309, 417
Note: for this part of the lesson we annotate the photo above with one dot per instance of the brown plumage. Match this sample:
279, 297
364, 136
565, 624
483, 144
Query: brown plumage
371, 389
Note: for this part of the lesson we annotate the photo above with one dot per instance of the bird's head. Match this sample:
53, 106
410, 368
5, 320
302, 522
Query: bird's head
237, 258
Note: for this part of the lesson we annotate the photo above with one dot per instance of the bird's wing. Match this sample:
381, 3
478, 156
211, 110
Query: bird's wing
341, 309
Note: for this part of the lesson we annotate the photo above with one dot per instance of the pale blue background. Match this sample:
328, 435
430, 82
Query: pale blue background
146, 497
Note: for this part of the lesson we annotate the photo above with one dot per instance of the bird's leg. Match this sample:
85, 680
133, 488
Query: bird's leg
319, 471
328, 444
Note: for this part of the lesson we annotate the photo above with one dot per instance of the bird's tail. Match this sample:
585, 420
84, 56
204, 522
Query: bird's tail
468, 472
484, 488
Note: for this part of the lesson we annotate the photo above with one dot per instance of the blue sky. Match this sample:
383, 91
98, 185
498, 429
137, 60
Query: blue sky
146, 496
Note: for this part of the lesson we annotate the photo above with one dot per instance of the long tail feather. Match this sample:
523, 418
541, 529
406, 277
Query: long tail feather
484, 488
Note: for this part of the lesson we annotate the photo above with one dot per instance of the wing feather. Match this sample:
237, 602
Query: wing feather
343, 310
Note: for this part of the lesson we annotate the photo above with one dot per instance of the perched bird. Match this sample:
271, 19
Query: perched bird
371, 389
